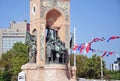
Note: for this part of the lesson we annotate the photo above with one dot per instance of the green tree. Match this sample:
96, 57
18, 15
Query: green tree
6, 66
5, 76
20, 58
88, 67
81, 62
94, 65
13, 60
115, 75
82, 65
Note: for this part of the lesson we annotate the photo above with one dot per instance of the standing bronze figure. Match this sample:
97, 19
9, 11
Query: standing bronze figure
31, 42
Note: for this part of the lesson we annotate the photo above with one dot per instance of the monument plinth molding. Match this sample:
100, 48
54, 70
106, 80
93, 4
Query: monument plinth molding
50, 72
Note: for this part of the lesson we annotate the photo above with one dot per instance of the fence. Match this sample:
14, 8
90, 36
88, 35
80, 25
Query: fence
83, 79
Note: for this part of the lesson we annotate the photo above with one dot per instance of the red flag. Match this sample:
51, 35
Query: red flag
104, 54
98, 39
75, 46
113, 37
93, 50
82, 47
88, 46
110, 53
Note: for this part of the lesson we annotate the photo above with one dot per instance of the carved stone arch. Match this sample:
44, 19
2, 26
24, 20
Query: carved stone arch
53, 8
54, 18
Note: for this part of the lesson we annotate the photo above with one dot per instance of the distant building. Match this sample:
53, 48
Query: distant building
116, 65
15, 33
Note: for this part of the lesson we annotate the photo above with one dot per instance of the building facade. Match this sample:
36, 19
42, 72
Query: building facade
15, 33
116, 65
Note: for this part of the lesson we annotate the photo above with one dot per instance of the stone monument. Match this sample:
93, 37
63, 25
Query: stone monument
48, 42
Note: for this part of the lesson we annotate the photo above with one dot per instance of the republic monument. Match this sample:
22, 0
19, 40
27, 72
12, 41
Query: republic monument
48, 40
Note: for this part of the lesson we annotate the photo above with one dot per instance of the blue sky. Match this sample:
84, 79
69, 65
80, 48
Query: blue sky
92, 18
97, 18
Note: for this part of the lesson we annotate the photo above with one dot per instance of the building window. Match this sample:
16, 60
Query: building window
8, 42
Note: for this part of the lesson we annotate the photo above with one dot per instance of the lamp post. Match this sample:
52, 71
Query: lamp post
74, 50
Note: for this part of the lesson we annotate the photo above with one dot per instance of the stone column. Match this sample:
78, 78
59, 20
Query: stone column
41, 56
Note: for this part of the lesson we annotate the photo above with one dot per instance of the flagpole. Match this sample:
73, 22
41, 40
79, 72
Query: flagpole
74, 50
101, 68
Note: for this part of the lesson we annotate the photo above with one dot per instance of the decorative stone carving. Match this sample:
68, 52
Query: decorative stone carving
63, 5
60, 5
45, 3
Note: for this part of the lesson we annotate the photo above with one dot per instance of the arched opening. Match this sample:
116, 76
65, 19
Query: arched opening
56, 52
54, 19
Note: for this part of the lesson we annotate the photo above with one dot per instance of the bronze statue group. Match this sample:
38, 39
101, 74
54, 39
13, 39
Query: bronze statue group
56, 52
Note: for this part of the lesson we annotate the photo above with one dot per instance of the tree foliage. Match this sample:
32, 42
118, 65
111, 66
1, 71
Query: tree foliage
88, 67
94, 65
115, 75
12, 61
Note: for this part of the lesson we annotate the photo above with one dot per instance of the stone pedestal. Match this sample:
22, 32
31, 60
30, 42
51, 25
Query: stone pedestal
50, 72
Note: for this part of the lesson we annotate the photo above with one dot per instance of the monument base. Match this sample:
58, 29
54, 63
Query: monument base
50, 72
